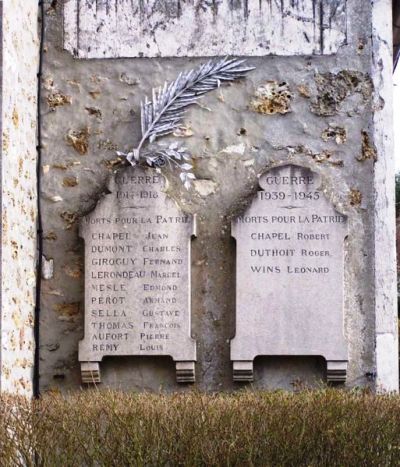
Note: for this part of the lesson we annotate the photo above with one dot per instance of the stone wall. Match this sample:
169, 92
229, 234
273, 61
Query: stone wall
315, 111
20, 53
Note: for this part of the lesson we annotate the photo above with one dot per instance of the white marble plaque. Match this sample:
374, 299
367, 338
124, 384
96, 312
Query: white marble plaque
201, 28
137, 276
289, 274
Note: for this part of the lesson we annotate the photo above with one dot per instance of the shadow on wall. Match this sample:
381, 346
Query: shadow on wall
290, 372
398, 240
396, 31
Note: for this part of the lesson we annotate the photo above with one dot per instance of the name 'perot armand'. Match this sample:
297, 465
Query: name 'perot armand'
137, 277
279, 106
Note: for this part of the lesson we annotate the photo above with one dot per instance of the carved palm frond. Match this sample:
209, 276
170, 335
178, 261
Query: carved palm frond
163, 114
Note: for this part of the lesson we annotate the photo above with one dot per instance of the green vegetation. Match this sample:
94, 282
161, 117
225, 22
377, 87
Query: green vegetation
102, 428
397, 180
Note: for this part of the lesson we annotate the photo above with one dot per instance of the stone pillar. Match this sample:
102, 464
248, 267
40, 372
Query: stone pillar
386, 354
19, 57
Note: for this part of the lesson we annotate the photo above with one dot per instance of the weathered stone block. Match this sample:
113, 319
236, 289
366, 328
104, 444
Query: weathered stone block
115, 28
289, 274
137, 276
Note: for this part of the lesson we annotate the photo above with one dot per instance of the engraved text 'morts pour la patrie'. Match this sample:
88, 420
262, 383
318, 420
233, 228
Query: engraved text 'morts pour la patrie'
289, 274
137, 276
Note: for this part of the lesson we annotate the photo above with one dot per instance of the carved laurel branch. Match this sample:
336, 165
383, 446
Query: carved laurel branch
163, 114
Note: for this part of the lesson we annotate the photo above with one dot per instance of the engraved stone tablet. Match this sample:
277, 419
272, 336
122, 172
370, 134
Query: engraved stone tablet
198, 28
289, 274
137, 276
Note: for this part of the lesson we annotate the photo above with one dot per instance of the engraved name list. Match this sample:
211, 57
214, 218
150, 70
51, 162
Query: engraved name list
137, 270
290, 246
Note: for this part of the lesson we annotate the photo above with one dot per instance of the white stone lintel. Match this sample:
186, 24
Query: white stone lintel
161, 28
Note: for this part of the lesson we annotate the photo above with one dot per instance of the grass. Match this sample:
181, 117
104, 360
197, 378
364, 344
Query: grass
108, 428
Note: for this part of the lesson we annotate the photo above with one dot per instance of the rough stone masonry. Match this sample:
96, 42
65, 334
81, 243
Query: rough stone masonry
319, 98
19, 67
